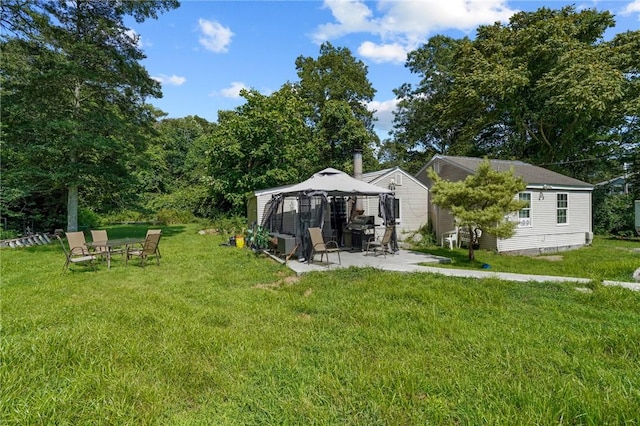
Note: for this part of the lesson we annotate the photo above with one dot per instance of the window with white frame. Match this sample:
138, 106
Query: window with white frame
524, 214
562, 209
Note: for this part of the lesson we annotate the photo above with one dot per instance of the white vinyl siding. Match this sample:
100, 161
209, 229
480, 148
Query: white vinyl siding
411, 197
545, 234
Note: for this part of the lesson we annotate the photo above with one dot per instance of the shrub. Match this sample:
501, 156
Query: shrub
613, 214
126, 216
230, 225
89, 219
423, 237
172, 216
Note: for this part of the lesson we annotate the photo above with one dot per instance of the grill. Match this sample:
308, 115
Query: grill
359, 231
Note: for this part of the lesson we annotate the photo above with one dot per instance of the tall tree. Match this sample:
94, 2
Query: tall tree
482, 200
172, 175
337, 88
421, 128
262, 144
73, 93
545, 88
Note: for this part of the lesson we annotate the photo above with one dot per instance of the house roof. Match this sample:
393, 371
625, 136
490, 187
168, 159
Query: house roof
532, 175
620, 180
374, 177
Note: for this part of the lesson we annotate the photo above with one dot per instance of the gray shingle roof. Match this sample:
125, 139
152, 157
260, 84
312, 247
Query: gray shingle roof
532, 175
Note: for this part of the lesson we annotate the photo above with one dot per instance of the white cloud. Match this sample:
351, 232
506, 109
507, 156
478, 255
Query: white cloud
384, 113
137, 39
403, 25
633, 7
393, 52
214, 36
173, 80
233, 91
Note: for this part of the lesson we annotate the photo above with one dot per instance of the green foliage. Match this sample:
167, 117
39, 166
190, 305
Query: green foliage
262, 144
423, 238
6, 234
613, 214
336, 88
88, 219
171, 216
481, 200
73, 96
217, 335
123, 216
229, 225
543, 88
258, 237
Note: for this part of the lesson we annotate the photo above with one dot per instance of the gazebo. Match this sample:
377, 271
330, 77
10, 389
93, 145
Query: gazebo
313, 195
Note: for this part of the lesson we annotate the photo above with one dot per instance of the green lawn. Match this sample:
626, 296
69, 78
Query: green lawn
218, 335
606, 259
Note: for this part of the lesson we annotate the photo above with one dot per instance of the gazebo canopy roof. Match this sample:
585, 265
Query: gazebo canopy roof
334, 182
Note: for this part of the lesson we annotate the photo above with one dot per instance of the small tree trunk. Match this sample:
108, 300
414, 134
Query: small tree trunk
72, 208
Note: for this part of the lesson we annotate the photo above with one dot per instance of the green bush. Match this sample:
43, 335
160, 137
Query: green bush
89, 219
423, 237
6, 234
230, 225
613, 214
173, 216
126, 216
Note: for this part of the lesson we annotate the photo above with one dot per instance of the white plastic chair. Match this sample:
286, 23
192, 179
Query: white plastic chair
451, 238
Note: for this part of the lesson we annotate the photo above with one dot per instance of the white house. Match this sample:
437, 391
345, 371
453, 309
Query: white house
559, 215
411, 199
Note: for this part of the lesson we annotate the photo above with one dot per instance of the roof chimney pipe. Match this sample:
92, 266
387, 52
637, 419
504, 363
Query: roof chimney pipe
357, 164
357, 174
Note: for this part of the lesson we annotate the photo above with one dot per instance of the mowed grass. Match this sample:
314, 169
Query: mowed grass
219, 335
606, 259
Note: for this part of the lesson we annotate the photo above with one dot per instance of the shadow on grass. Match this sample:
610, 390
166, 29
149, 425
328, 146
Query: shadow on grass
139, 231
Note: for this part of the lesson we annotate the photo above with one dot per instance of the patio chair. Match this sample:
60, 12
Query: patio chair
322, 248
383, 245
77, 252
155, 231
451, 238
101, 235
149, 248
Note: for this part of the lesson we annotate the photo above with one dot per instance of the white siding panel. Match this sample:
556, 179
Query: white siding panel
545, 233
413, 204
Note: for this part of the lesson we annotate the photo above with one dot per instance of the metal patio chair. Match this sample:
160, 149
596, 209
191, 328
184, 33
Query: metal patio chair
322, 248
78, 252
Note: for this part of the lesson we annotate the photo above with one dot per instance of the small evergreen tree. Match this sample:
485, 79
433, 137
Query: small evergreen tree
481, 200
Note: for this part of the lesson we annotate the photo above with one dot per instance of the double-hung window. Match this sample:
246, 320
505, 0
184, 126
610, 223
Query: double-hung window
524, 214
562, 208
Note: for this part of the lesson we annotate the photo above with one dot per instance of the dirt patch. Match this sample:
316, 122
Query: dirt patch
208, 232
308, 292
284, 282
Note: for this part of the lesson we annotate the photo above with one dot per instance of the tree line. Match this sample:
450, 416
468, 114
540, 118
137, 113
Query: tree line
78, 136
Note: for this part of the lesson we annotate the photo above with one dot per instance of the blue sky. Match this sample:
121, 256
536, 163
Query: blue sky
204, 52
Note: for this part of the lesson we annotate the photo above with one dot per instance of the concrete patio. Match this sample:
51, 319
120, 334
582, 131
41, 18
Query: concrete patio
401, 261
408, 261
